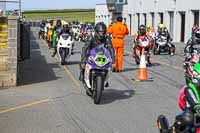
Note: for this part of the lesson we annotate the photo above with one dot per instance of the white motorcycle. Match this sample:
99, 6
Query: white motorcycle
64, 47
162, 45
76, 32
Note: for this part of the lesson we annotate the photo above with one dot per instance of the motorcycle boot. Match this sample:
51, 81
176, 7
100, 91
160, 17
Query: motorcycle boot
149, 64
81, 76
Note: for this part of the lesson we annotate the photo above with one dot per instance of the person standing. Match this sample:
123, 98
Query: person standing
118, 31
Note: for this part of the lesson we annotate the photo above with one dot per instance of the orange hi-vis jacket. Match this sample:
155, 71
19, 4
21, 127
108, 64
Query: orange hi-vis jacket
118, 31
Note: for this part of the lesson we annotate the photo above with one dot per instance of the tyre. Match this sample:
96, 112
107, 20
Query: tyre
137, 60
63, 55
98, 88
155, 52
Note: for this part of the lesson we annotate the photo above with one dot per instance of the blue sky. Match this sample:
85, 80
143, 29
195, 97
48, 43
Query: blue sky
57, 4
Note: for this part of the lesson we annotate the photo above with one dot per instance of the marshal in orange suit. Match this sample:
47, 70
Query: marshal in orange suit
118, 31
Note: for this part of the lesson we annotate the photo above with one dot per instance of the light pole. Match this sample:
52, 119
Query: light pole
20, 8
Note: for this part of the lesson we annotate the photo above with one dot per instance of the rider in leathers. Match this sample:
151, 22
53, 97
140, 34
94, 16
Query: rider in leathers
57, 28
163, 31
42, 26
192, 44
142, 34
99, 38
189, 101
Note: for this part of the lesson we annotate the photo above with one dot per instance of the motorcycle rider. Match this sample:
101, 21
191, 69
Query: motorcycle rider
194, 28
189, 103
192, 44
42, 26
56, 31
150, 30
163, 31
64, 30
142, 34
49, 33
98, 39
189, 99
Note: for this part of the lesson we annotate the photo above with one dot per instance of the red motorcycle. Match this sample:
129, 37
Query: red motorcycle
141, 43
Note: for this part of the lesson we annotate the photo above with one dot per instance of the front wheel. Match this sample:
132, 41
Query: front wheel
98, 88
137, 60
155, 50
63, 55
172, 49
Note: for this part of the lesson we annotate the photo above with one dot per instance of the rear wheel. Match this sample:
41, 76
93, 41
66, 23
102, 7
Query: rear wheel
172, 49
98, 88
155, 50
137, 59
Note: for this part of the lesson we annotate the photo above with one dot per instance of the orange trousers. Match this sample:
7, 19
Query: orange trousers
119, 58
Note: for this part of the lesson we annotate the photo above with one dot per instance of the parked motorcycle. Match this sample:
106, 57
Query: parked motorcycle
142, 43
162, 45
64, 47
96, 72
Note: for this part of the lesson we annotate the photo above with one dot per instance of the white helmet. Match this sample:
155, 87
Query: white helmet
65, 23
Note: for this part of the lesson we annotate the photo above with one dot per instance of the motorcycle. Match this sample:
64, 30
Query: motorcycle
96, 72
64, 47
188, 64
49, 37
181, 124
142, 43
41, 33
76, 33
162, 45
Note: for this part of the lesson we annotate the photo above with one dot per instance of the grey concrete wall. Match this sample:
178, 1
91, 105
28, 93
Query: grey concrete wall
13, 48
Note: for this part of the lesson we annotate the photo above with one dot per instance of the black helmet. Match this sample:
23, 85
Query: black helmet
100, 27
51, 22
58, 23
197, 35
142, 30
100, 30
66, 28
43, 21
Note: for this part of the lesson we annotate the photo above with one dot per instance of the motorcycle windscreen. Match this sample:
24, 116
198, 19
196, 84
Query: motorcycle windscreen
65, 36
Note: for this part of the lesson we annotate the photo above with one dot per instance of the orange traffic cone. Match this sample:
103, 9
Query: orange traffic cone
142, 71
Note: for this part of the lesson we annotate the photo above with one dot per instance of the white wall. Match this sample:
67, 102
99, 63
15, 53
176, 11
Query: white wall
164, 6
102, 14
156, 6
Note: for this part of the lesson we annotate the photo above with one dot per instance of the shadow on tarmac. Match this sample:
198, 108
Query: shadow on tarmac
37, 69
111, 95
